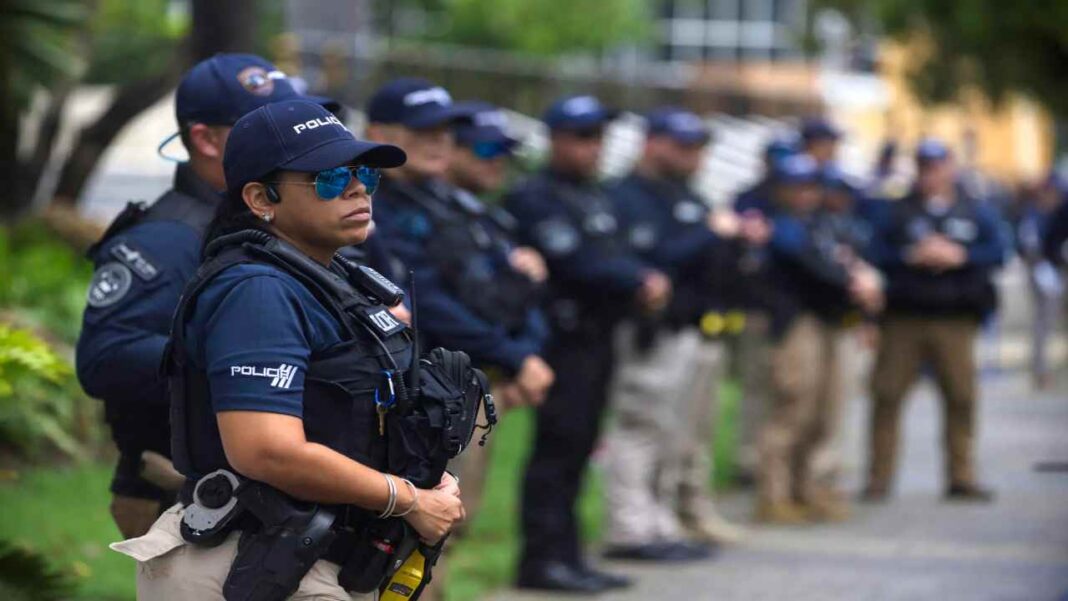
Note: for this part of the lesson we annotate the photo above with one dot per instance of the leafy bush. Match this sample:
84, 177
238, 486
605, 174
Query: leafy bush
39, 400
44, 280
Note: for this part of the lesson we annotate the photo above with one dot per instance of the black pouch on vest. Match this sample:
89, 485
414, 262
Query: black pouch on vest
372, 559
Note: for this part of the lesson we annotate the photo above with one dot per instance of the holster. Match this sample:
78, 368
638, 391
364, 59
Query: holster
273, 558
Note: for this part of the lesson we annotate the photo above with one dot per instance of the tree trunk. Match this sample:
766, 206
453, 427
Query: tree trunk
46, 134
130, 100
216, 27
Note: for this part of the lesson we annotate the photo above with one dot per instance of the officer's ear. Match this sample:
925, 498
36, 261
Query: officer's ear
258, 199
208, 141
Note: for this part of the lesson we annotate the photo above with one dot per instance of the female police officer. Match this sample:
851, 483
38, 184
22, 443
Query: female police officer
274, 389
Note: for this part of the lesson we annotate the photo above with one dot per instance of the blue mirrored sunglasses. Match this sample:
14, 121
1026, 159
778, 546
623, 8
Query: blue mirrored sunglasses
489, 150
330, 183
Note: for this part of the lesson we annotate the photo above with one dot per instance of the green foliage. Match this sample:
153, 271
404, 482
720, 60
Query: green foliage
133, 40
546, 27
44, 279
39, 400
25, 575
997, 46
62, 515
38, 41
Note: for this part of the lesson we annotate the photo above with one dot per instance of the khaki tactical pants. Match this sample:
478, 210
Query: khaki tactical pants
657, 455
754, 366
906, 344
799, 432
170, 569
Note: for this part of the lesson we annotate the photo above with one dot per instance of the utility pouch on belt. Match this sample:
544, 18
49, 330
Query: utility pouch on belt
272, 559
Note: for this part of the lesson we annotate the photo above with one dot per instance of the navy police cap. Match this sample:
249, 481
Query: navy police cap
931, 150
222, 89
798, 169
487, 124
577, 113
414, 103
296, 135
818, 128
678, 124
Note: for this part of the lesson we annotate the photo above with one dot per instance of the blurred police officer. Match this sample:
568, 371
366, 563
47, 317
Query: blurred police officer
565, 214
471, 294
753, 346
479, 165
817, 279
1046, 283
657, 462
142, 263
938, 251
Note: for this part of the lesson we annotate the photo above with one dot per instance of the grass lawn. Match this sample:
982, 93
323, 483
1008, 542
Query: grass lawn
63, 513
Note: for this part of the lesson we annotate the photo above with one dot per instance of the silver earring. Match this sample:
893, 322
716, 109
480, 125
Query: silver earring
268, 217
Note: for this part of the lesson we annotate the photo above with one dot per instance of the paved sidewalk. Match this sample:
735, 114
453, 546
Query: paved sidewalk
915, 547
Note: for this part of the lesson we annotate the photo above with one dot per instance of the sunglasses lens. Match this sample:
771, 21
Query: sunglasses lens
369, 177
330, 183
488, 150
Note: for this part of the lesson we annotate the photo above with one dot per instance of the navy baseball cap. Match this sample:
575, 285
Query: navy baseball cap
818, 128
779, 148
798, 169
296, 135
414, 103
931, 150
577, 113
487, 124
678, 124
222, 89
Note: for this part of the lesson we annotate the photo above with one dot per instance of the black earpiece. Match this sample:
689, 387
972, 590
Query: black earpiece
272, 193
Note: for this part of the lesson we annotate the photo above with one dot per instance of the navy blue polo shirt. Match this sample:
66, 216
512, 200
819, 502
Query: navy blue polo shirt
253, 331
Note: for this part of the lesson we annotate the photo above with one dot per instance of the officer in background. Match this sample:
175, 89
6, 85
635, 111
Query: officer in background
657, 459
817, 280
479, 165
471, 288
1046, 283
142, 262
938, 252
753, 346
565, 214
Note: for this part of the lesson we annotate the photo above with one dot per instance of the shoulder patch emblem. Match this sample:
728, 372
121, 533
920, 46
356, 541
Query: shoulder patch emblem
109, 285
557, 237
643, 236
135, 260
688, 211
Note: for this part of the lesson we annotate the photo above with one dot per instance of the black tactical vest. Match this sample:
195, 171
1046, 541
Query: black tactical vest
340, 385
965, 291
470, 248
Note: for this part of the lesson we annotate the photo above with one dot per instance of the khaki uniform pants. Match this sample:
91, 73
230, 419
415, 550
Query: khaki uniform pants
799, 433
754, 366
905, 345
170, 569
657, 455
